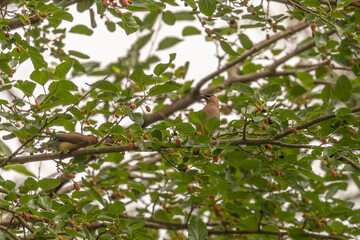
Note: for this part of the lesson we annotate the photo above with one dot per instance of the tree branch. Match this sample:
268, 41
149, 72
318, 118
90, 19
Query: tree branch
194, 95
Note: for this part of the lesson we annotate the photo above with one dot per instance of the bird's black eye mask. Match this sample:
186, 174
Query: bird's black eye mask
206, 96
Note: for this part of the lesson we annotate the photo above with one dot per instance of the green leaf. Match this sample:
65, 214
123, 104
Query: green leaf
40, 77
36, 58
310, 174
161, 67
197, 117
111, 26
187, 31
227, 48
207, 7
48, 183
62, 69
197, 229
164, 88
63, 16
321, 39
245, 41
185, 128
140, 77
136, 117
191, 3
243, 88
26, 86
168, 42
19, 168
311, 3
169, 18
343, 3
116, 208
271, 90
82, 29
62, 86
129, 23
4, 149
78, 54
343, 88
108, 86
212, 124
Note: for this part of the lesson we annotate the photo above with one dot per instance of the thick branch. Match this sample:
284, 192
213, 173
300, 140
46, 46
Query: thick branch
194, 95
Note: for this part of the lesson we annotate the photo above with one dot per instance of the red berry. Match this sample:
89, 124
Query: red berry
16, 200
236, 220
133, 106
119, 13
294, 140
146, 137
105, 3
148, 109
113, 196
267, 36
79, 228
294, 130
7, 34
123, 3
323, 140
118, 143
87, 122
315, 219
333, 173
263, 127
189, 188
27, 217
41, 150
20, 213
28, 21
130, 135
71, 175
37, 105
178, 142
131, 145
212, 196
11, 74
254, 13
352, 132
324, 163
137, 86
72, 223
266, 120
268, 146
114, 4
216, 158
112, 231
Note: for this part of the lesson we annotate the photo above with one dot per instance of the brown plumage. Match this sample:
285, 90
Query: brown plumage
71, 141
212, 110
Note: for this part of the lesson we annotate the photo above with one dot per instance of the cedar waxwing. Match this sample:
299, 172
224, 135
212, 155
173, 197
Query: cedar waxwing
212, 110
71, 141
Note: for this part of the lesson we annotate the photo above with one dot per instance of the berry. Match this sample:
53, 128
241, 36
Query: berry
294, 140
118, 143
267, 36
112, 231
294, 130
71, 175
189, 188
333, 173
72, 223
323, 140
130, 135
146, 137
352, 132
27, 217
254, 13
123, 3
37, 105
268, 146
178, 142
324, 163
315, 219
266, 120
212, 196
216, 158
87, 122
28, 21
7, 34
79, 228
119, 13
11, 74
114, 4
105, 3
131, 145
133, 106
20, 213
263, 127
148, 109
41, 150
137, 86
236, 220
305, 215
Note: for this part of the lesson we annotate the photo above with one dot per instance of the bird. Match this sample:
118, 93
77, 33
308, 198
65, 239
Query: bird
70, 141
212, 110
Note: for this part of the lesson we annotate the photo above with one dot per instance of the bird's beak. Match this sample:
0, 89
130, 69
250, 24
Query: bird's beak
207, 96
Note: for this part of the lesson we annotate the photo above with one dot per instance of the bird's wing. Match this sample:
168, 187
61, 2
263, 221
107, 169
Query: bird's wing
74, 138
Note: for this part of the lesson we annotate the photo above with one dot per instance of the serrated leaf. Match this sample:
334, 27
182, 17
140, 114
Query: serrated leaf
82, 29
168, 42
243, 88
343, 3
49, 183
227, 48
185, 128
245, 41
40, 77
19, 168
26, 87
136, 117
197, 117
343, 88
207, 7
140, 77
36, 58
129, 23
164, 88
62, 69
197, 229
271, 90
212, 124
116, 208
